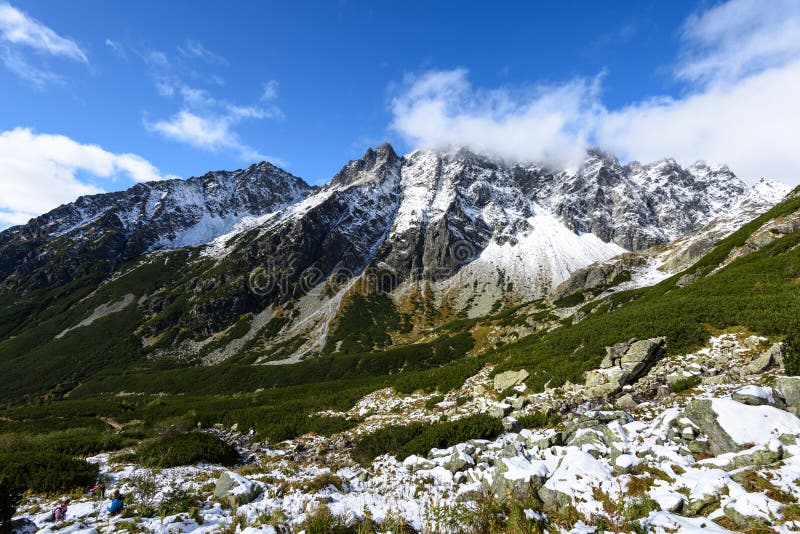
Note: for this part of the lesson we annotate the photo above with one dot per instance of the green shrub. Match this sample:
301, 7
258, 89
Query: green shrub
791, 354
323, 481
174, 426
446, 434
431, 403
538, 419
418, 438
186, 449
176, 501
384, 440
570, 300
10, 497
638, 508
45, 472
685, 384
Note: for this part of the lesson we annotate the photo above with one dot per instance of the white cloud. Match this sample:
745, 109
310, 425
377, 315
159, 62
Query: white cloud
116, 47
440, 109
43, 171
270, 91
18, 32
210, 132
37, 77
751, 125
19, 29
739, 38
205, 121
208, 123
195, 50
742, 66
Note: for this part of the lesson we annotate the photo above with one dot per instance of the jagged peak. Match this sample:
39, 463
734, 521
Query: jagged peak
372, 165
769, 191
596, 153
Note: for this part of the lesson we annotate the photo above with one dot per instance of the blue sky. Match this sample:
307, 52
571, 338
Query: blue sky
98, 95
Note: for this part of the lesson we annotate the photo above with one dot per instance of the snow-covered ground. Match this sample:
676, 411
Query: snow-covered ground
649, 459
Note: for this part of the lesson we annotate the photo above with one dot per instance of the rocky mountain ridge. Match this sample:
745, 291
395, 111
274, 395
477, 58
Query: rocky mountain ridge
109, 229
435, 236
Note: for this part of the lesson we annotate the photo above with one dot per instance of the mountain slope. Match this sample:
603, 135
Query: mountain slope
103, 231
380, 257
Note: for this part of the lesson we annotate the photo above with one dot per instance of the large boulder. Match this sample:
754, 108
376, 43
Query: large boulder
458, 461
769, 358
235, 489
640, 356
788, 388
760, 455
730, 426
509, 379
575, 478
623, 364
518, 477
499, 409
701, 413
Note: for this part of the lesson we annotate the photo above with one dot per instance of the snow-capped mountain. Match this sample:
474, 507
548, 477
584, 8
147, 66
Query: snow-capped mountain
455, 231
150, 216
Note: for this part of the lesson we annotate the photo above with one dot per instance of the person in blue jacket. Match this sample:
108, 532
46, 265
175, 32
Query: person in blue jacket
116, 504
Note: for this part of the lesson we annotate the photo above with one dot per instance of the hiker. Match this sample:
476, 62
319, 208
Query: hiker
60, 512
116, 504
99, 489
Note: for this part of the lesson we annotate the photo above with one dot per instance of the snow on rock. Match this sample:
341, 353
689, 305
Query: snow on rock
755, 505
753, 424
578, 472
644, 450
760, 392
663, 522
519, 468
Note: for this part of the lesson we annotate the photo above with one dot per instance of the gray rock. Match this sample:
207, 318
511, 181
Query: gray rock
788, 388
555, 440
626, 402
510, 450
690, 278
615, 352
458, 461
553, 500
590, 440
519, 403
760, 457
235, 489
724, 378
700, 412
744, 521
509, 379
516, 487
499, 410
746, 396
422, 464
598, 275
510, 424
629, 361
702, 506
762, 363
640, 357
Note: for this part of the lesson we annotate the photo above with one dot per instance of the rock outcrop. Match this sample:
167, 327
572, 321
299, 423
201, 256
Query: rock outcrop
235, 489
623, 364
